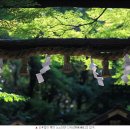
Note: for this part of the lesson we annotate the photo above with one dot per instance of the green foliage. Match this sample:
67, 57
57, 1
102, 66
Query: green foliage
42, 112
3, 119
61, 99
11, 97
71, 22
4, 33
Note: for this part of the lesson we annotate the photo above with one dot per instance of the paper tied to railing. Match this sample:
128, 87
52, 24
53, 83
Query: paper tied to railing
95, 74
126, 72
93, 67
126, 68
127, 60
45, 68
100, 81
47, 62
125, 78
39, 78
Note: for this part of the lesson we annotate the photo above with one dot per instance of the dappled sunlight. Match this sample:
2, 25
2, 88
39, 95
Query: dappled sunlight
24, 23
12, 97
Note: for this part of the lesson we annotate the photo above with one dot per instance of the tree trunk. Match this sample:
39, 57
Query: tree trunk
34, 68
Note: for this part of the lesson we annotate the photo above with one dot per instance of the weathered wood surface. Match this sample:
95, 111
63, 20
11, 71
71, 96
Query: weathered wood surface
98, 48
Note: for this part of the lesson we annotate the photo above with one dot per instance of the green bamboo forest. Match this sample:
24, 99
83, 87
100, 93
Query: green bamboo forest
66, 97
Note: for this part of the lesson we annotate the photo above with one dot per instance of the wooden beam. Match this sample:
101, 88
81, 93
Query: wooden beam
98, 48
85, 3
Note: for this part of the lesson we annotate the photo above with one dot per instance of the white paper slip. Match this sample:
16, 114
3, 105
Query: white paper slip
127, 68
39, 78
100, 81
93, 67
44, 69
124, 66
127, 59
95, 74
46, 64
124, 78
126, 56
127, 62
126, 72
48, 58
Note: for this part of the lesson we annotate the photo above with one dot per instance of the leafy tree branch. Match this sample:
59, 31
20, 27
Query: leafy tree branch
79, 25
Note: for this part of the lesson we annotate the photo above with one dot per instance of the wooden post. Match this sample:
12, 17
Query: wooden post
67, 68
105, 71
24, 66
